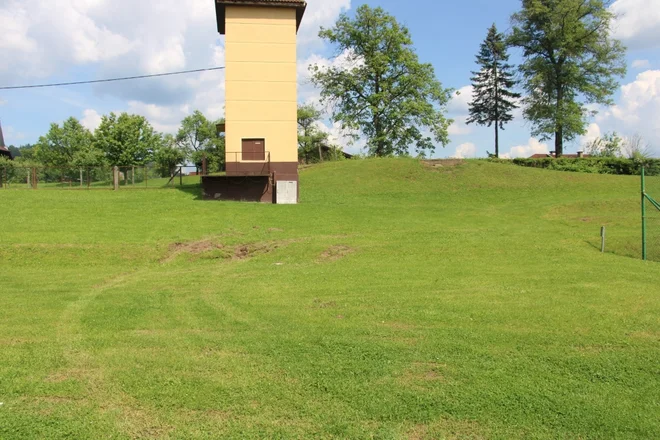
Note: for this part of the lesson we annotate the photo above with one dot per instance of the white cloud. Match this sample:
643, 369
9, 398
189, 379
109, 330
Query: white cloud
461, 101
593, 132
319, 13
641, 64
125, 37
637, 23
533, 147
459, 127
11, 135
465, 151
91, 119
638, 109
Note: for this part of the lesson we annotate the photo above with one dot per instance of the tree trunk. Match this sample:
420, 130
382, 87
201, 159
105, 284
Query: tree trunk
320, 152
559, 128
559, 141
380, 143
497, 111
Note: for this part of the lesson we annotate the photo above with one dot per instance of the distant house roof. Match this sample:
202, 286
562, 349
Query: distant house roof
327, 149
551, 154
220, 5
3, 148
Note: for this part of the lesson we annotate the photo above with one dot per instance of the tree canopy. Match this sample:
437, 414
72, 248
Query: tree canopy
310, 138
570, 60
493, 99
70, 144
199, 137
197, 133
381, 89
126, 140
168, 155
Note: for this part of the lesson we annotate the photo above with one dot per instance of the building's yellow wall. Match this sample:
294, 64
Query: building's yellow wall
261, 80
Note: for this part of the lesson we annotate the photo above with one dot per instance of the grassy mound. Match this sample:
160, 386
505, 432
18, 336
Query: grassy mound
396, 301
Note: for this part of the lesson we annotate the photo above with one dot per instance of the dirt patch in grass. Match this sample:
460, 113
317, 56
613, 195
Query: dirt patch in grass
335, 253
448, 429
654, 336
77, 374
210, 249
420, 373
320, 304
399, 325
442, 163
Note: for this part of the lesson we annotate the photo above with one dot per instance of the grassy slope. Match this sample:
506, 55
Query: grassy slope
394, 302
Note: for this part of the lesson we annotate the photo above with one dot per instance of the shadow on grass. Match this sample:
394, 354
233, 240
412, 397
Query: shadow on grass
194, 190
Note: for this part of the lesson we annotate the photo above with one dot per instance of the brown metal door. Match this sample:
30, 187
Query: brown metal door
254, 149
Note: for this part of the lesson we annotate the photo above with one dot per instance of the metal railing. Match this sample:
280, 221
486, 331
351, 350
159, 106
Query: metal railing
248, 163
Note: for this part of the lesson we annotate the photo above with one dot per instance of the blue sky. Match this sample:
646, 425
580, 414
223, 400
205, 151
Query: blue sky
104, 38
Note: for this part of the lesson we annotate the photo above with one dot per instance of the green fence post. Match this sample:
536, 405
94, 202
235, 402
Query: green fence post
643, 217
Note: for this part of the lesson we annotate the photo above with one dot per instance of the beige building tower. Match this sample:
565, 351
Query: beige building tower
261, 131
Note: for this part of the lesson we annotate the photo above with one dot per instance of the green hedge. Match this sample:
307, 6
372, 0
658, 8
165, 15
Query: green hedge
594, 165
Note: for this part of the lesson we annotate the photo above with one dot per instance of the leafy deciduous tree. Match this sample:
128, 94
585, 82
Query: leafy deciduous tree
68, 145
126, 140
636, 148
493, 101
609, 145
198, 135
382, 89
168, 155
570, 60
310, 139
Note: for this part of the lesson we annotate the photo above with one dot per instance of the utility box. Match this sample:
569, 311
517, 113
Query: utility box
286, 192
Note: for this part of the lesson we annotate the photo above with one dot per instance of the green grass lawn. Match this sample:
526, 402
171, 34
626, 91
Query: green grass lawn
395, 301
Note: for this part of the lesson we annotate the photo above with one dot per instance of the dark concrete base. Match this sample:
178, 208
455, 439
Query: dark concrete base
238, 188
249, 181
280, 170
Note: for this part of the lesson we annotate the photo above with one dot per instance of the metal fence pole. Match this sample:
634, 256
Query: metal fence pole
115, 178
644, 254
133, 176
180, 176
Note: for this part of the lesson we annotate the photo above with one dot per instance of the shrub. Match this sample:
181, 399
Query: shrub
594, 165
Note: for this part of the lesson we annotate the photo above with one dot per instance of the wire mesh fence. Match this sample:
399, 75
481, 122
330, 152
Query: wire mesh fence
652, 218
89, 178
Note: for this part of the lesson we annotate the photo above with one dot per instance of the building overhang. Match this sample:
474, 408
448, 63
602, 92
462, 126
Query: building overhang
221, 5
6, 153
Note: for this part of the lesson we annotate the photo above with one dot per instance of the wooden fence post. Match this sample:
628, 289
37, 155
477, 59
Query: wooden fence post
115, 178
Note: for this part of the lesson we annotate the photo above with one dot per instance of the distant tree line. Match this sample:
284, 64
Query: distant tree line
378, 87
126, 140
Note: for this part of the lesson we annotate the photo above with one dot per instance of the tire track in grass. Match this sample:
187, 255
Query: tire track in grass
130, 416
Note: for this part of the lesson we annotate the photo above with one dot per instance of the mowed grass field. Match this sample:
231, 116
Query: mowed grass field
396, 302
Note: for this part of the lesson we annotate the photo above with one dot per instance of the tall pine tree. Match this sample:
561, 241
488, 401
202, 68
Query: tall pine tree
493, 101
